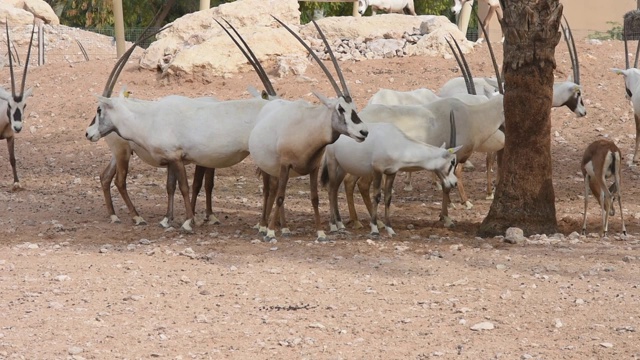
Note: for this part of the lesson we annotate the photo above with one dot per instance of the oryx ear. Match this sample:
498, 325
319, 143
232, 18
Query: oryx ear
570, 78
4, 94
443, 146
253, 91
455, 149
323, 99
492, 82
27, 93
124, 92
104, 101
577, 88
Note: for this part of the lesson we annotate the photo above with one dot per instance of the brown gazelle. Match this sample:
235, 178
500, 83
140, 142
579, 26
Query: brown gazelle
12, 108
600, 161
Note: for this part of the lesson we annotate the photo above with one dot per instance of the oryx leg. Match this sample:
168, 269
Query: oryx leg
336, 176
207, 174
635, 153
12, 160
349, 187
183, 184
283, 179
268, 196
407, 182
315, 202
463, 195
388, 193
121, 171
373, 212
364, 185
171, 190
490, 162
444, 212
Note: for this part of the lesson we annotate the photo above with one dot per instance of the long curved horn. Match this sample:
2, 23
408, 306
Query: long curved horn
115, 72
452, 122
13, 79
26, 64
464, 67
493, 56
573, 54
345, 89
316, 58
250, 56
626, 47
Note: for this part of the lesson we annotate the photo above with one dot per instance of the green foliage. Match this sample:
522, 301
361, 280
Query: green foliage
615, 33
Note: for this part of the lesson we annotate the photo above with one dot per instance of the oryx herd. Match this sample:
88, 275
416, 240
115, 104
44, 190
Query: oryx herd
330, 141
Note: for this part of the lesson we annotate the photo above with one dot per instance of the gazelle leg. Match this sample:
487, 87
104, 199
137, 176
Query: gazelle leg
12, 160
315, 202
463, 195
373, 211
171, 190
604, 209
618, 195
183, 183
388, 193
586, 200
283, 179
349, 187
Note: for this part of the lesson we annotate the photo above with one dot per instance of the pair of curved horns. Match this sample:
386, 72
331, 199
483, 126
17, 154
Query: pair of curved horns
117, 68
26, 64
626, 49
251, 57
493, 56
346, 95
464, 66
452, 122
566, 32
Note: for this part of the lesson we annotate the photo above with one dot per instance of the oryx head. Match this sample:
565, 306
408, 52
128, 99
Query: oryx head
102, 124
344, 117
446, 173
362, 6
16, 102
574, 89
631, 79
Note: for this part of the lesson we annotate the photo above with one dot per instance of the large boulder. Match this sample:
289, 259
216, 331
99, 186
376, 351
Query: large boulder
21, 12
42, 10
14, 16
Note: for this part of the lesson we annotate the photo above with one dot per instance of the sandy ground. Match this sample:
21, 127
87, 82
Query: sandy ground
74, 285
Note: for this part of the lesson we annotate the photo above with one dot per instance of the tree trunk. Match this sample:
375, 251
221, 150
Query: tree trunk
163, 13
524, 196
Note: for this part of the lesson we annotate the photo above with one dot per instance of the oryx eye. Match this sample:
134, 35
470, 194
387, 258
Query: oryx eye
99, 110
340, 109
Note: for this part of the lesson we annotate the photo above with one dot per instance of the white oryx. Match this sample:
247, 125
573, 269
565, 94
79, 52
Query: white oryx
12, 108
390, 6
385, 151
632, 88
602, 160
289, 139
177, 130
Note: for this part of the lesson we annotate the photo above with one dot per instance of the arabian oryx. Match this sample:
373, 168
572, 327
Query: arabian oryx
12, 107
632, 88
493, 8
289, 139
385, 151
602, 160
177, 130
389, 6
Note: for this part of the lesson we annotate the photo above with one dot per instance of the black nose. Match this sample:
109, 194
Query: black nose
364, 133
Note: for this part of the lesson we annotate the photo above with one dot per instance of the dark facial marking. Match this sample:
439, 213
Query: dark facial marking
355, 118
628, 91
572, 102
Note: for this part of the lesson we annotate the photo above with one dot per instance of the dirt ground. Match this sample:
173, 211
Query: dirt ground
74, 285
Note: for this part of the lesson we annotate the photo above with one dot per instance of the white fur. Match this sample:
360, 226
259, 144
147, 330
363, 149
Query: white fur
288, 140
10, 124
396, 6
632, 87
385, 151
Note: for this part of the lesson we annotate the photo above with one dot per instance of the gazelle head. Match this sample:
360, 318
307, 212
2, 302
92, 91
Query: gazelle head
362, 6
344, 117
101, 125
16, 102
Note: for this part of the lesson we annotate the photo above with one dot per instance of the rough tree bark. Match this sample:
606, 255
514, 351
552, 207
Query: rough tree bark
524, 196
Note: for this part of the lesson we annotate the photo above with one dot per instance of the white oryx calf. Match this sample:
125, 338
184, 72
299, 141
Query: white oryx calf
602, 160
385, 151
390, 6
12, 108
289, 139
